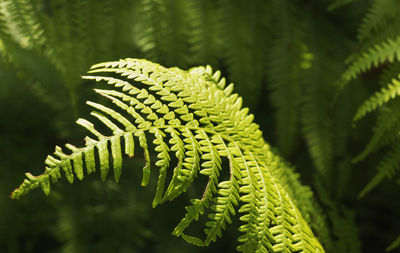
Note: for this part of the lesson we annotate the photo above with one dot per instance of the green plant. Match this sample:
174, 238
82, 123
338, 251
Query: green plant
320, 76
192, 116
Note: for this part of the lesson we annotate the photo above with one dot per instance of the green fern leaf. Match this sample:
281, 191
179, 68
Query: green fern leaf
194, 117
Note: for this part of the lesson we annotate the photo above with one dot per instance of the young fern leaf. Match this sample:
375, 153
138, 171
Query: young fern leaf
193, 116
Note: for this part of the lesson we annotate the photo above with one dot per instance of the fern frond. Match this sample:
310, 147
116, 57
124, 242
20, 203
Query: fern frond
316, 125
102, 38
162, 30
286, 61
385, 131
387, 168
346, 230
343, 133
28, 29
203, 28
376, 55
193, 116
317, 134
380, 12
391, 91
244, 25
80, 14
342, 220
4, 33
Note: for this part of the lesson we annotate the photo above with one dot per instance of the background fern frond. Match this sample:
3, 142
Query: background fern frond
316, 126
286, 63
378, 53
385, 131
377, 18
204, 44
239, 33
167, 36
386, 51
378, 99
387, 168
25, 25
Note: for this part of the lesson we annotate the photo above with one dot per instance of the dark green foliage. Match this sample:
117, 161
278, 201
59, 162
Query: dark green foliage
384, 53
321, 77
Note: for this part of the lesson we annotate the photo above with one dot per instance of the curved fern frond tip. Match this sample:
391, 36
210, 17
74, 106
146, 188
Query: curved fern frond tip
193, 116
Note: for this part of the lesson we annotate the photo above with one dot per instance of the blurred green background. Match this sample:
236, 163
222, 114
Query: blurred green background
285, 58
